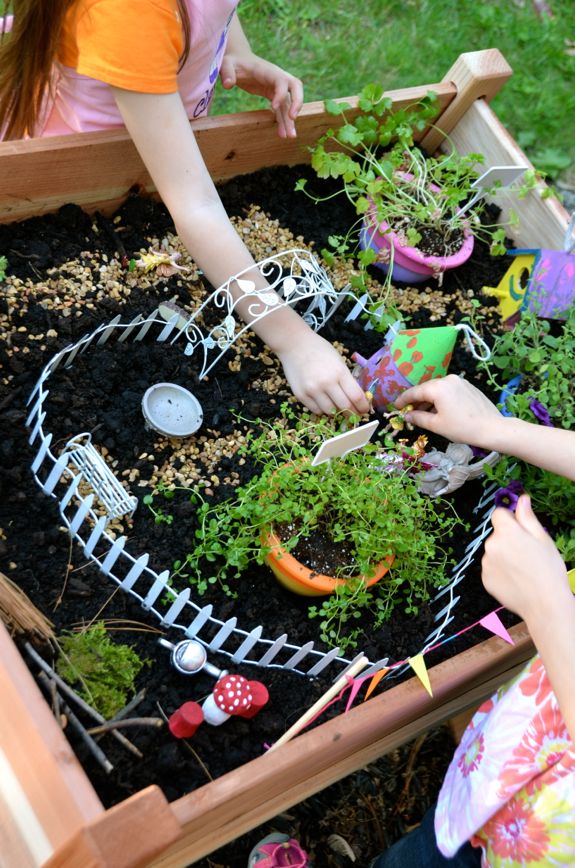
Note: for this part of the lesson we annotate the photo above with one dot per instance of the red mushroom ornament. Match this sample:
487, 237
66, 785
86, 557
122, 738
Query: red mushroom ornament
234, 696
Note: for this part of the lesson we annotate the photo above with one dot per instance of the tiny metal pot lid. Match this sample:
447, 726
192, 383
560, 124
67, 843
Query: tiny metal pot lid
171, 410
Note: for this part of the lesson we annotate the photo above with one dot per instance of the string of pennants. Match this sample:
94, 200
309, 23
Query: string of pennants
491, 622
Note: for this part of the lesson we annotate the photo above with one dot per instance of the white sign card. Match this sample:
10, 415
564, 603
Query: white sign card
341, 444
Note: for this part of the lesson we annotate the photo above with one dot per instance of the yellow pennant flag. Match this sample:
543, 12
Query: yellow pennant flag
374, 682
417, 663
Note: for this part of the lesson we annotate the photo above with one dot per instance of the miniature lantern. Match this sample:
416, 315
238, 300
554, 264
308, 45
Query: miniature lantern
234, 696
409, 356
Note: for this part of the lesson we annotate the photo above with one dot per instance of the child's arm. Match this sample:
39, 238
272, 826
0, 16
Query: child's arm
522, 568
452, 407
241, 67
161, 131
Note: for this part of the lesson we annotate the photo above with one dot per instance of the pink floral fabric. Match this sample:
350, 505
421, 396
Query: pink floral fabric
510, 788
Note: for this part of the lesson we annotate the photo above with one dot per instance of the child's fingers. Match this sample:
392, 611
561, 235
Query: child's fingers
422, 393
527, 518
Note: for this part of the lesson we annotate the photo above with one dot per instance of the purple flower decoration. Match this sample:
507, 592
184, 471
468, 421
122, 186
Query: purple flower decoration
477, 452
508, 496
541, 413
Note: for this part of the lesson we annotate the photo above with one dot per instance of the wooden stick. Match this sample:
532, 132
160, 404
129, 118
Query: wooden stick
131, 721
83, 733
330, 693
132, 704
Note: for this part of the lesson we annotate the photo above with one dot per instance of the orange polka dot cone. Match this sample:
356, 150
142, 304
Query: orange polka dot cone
408, 357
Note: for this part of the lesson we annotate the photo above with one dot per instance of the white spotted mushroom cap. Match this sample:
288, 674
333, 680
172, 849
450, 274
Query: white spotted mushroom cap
232, 694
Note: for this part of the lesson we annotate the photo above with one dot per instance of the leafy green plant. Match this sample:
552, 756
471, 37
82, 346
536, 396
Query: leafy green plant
151, 501
105, 670
352, 501
542, 353
389, 179
3, 267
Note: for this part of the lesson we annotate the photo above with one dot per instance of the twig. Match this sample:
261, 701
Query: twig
111, 725
78, 699
60, 596
132, 704
309, 715
83, 733
56, 700
129, 708
416, 747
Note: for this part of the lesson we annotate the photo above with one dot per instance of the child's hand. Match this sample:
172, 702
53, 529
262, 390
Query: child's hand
452, 407
258, 76
521, 566
319, 377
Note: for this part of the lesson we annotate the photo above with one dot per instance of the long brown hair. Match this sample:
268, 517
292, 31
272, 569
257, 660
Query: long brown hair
27, 56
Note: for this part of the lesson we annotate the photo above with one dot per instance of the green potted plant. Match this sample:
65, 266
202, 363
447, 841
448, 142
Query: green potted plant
369, 531
411, 219
533, 366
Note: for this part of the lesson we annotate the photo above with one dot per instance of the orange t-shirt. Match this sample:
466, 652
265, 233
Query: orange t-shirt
135, 45
126, 43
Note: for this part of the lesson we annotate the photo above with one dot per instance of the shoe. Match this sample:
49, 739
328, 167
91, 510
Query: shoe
277, 850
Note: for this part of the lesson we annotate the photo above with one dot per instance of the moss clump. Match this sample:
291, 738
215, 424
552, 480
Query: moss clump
104, 671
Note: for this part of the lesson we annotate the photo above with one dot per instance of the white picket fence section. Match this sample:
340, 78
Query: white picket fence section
61, 478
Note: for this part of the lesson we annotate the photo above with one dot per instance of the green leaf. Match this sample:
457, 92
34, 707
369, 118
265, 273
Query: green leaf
349, 135
336, 108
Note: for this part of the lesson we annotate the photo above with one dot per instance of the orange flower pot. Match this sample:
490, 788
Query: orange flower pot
299, 579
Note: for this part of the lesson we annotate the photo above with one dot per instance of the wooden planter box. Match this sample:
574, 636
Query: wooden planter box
49, 812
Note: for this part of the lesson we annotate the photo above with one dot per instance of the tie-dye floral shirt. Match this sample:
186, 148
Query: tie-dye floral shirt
510, 788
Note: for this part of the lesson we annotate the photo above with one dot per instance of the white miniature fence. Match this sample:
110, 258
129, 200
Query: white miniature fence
79, 467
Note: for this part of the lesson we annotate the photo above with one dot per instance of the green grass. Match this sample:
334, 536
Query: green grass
401, 43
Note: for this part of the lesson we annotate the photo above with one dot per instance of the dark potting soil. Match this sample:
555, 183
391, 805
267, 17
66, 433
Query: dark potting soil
101, 393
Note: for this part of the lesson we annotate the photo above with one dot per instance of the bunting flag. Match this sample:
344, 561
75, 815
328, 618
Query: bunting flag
417, 663
356, 684
375, 679
492, 622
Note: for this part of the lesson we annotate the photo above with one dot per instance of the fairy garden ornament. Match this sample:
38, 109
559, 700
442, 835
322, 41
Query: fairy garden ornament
539, 280
447, 471
408, 357
184, 722
234, 696
190, 657
163, 262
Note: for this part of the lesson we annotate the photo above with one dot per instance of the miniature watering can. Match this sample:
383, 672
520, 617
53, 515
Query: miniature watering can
408, 357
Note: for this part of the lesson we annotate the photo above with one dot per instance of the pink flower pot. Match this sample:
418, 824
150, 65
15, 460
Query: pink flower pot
409, 264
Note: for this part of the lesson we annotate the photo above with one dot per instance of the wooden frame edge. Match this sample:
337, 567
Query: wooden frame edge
44, 778
246, 797
98, 170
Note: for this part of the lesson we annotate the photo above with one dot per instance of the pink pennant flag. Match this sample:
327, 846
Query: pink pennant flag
417, 663
375, 681
492, 622
355, 687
